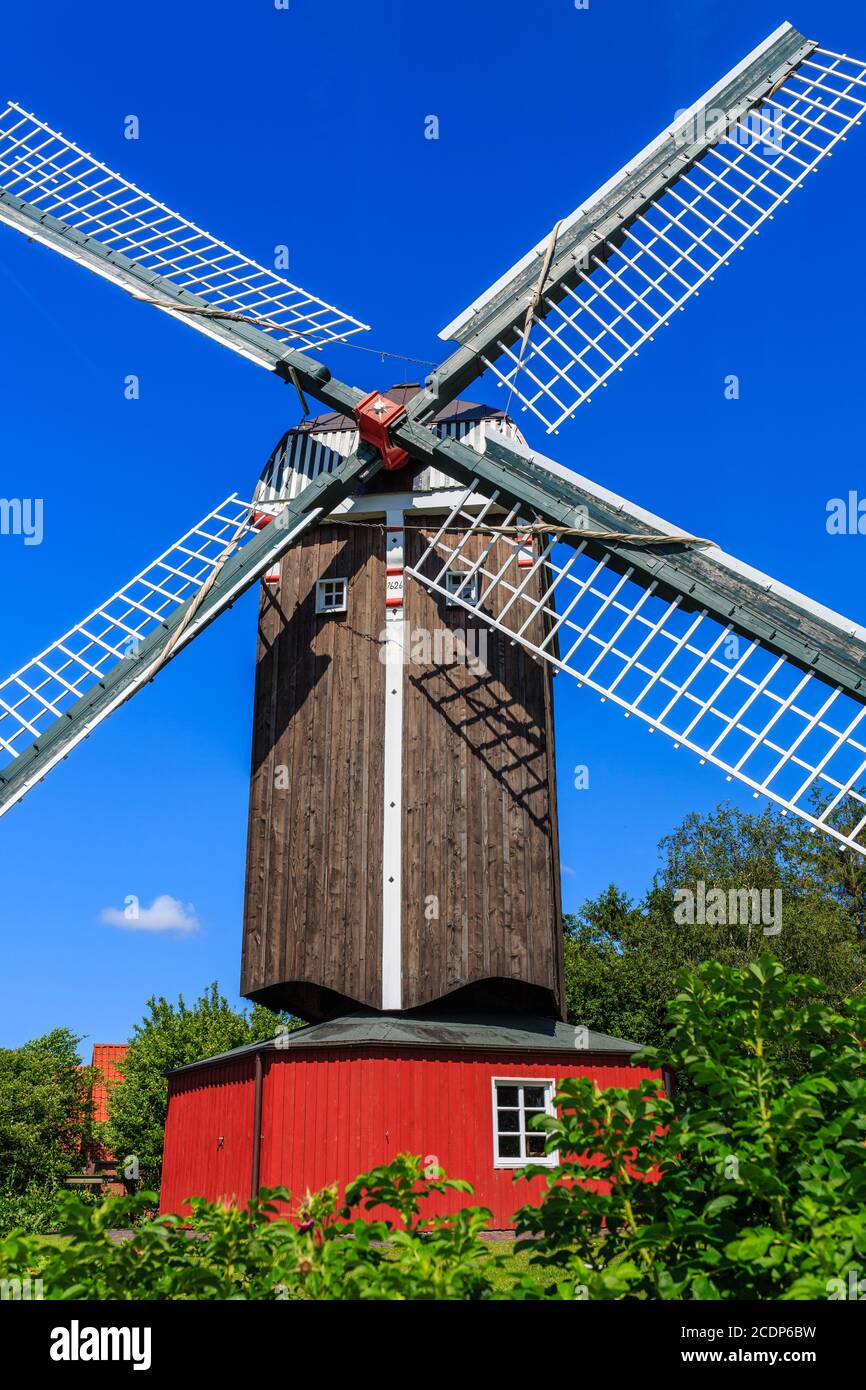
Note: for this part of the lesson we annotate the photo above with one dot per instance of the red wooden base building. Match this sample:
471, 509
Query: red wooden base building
333, 1100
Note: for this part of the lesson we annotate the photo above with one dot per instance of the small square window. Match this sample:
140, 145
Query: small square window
332, 595
515, 1104
469, 590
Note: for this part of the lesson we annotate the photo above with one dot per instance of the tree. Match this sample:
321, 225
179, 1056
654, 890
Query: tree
607, 988
171, 1035
833, 867
622, 959
45, 1112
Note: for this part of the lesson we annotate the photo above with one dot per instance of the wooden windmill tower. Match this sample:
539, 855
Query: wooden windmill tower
402, 881
402, 845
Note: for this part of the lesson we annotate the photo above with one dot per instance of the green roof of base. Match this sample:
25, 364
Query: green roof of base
470, 1032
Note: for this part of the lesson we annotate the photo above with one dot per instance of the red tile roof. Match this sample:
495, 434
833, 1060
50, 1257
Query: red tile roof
106, 1057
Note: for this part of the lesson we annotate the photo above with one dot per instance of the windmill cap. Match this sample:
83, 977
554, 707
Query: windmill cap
457, 412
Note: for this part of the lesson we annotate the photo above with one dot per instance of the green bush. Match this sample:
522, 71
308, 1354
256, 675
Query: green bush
761, 1175
329, 1253
749, 1184
37, 1210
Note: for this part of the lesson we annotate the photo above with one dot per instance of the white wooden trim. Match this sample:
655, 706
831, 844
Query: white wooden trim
392, 827
377, 504
548, 1160
454, 580
323, 609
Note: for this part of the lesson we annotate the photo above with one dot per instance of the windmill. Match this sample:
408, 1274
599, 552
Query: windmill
402, 851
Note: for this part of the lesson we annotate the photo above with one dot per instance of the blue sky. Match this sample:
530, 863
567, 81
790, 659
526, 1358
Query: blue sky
306, 128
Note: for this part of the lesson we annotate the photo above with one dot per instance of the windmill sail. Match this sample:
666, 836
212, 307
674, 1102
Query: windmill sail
58, 194
588, 297
56, 699
754, 678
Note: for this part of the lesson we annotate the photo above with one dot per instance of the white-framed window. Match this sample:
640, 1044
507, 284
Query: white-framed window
516, 1100
332, 595
469, 592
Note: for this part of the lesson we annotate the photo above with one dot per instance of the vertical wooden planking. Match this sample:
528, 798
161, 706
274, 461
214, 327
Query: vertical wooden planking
312, 916
480, 815
206, 1105
479, 827
329, 1114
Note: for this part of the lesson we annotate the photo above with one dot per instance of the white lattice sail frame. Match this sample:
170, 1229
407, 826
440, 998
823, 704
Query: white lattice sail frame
40, 692
632, 286
58, 179
783, 732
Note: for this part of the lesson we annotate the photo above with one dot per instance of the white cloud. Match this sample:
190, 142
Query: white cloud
568, 871
165, 914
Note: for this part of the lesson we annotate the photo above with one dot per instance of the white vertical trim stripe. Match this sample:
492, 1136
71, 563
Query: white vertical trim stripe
392, 829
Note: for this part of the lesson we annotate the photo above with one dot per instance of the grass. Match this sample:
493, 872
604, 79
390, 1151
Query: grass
510, 1264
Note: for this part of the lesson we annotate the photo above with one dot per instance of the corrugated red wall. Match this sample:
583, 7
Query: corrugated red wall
209, 1134
330, 1114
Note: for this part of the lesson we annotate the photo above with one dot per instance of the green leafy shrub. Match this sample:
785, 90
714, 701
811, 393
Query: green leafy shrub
329, 1253
37, 1210
750, 1183
761, 1176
